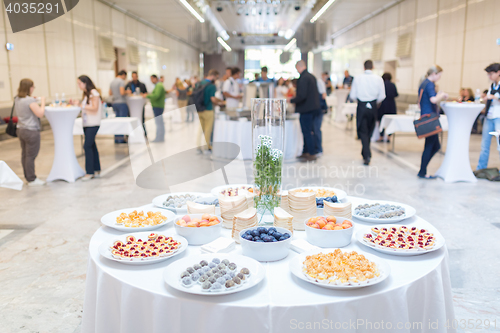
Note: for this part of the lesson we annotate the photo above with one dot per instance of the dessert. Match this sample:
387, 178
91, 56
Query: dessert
139, 219
328, 223
143, 249
206, 220
379, 211
340, 268
235, 191
223, 279
178, 201
265, 235
400, 238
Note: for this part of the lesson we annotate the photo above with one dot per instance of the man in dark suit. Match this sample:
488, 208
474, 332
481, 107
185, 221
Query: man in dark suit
307, 104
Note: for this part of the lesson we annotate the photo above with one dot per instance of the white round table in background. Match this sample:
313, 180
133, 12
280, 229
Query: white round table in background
136, 105
131, 299
456, 165
65, 165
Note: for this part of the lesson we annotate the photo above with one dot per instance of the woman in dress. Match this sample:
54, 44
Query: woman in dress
28, 128
388, 105
91, 115
429, 100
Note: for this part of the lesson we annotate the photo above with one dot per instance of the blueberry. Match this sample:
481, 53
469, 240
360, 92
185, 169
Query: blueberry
275, 240
262, 230
277, 235
259, 241
287, 235
256, 238
272, 229
334, 198
282, 238
271, 232
255, 232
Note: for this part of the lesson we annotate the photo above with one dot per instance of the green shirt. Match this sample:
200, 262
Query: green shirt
157, 96
209, 92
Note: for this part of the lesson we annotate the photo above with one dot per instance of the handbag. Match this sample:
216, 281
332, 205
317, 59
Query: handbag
11, 126
428, 124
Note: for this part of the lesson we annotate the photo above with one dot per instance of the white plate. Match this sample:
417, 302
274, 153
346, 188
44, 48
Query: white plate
104, 248
159, 200
172, 273
341, 195
217, 190
409, 212
110, 219
399, 252
297, 263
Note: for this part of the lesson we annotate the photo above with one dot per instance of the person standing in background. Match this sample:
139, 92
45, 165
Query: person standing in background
263, 76
388, 106
281, 90
207, 116
137, 87
28, 128
117, 92
157, 98
162, 79
429, 101
492, 120
318, 119
347, 82
231, 89
328, 83
91, 116
368, 89
307, 104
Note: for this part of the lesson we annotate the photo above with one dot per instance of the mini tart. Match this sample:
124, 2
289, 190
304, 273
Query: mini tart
152, 236
368, 237
376, 230
403, 229
130, 239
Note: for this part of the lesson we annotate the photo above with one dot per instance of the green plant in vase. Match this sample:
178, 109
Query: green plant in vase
267, 173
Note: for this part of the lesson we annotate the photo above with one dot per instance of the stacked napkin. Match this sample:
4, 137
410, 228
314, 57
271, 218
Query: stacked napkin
302, 207
338, 209
282, 219
196, 208
229, 207
244, 220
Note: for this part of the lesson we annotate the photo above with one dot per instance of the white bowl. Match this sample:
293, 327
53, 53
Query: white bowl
201, 235
329, 238
266, 251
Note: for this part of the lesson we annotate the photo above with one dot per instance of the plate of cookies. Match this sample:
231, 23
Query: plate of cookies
138, 219
143, 248
214, 274
401, 240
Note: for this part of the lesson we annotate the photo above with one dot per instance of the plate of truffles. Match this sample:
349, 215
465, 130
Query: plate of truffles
214, 274
177, 202
383, 212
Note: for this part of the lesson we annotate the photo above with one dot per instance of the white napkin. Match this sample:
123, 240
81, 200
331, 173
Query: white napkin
220, 245
8, 178
301, 245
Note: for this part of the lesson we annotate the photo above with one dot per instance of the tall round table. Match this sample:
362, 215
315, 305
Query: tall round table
130, 299
136, 105
456, 165
65, 165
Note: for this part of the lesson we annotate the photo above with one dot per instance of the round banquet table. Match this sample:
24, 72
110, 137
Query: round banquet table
65, 165
136, 105
240, 133
130, 299
456, 165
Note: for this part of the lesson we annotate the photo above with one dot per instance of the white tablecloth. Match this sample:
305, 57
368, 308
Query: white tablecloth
131, 299
136, 105
114, 126
8, 178
65, 165
240, 133
341, 95
456, 163
393, 123
349, 109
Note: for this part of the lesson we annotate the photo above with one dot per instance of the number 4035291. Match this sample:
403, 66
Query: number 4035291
32, 8
472, 324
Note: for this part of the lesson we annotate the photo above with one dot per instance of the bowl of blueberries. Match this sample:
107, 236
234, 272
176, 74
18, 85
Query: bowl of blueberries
265, 244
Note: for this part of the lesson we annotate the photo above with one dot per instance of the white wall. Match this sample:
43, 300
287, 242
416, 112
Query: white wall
458, 35
55, 54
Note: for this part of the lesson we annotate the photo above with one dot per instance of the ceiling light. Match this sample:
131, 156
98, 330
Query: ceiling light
322, 10
224, 34
289, 33
191, 9
224, 44
290, 45
281, 33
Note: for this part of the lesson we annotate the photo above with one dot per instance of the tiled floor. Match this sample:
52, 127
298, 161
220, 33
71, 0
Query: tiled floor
44, 232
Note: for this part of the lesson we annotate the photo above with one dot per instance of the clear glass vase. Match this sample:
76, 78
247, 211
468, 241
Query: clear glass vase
268, 143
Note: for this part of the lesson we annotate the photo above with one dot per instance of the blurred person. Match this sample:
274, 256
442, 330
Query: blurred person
347, 82
263, 75
207, 116
482, 115
136, 86
162, 79
256, 77
117, 92
429, 101
231, 89
388, 105
91, 116
307, 104
28, 128
468, 95
281, 90
328, 82
227, 74
319, 118
292, 88
157, 98
492, 112
368, 89
182, 99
